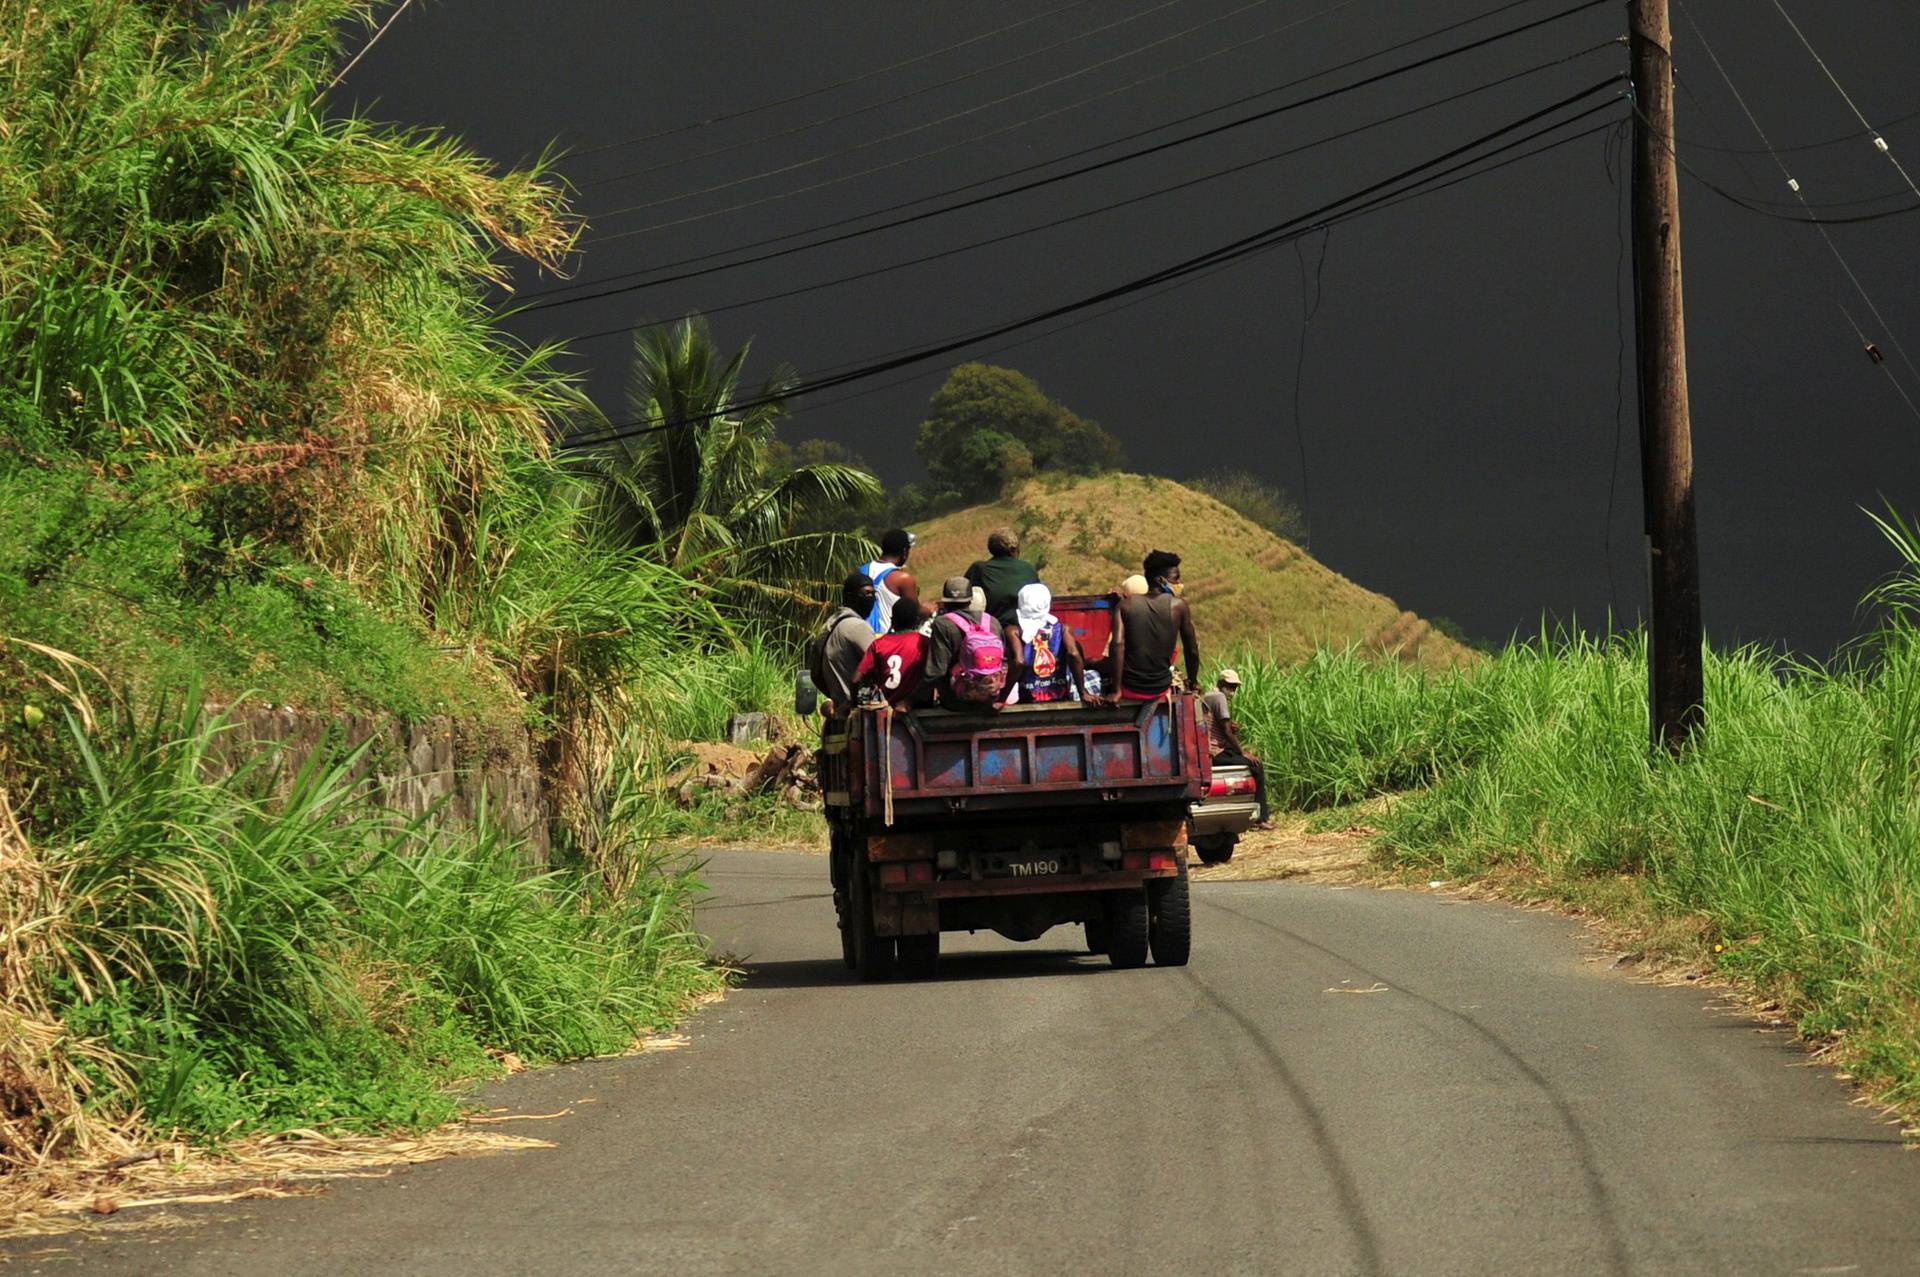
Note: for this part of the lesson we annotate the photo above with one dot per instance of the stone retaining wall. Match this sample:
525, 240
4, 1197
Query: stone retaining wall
415, 766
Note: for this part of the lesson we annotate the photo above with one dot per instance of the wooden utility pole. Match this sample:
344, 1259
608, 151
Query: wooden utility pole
1666, 433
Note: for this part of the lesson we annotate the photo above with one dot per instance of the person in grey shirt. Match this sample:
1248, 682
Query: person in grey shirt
1223, 734
836, 649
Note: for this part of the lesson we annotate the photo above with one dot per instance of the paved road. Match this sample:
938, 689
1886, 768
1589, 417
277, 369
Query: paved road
1501, 1104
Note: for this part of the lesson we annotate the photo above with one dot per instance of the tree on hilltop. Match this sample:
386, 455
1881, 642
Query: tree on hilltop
987, 427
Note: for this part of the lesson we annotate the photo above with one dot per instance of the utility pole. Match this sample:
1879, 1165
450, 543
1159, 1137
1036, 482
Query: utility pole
1666, 432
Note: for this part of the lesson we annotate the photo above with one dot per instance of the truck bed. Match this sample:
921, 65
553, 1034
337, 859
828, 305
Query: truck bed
940, 762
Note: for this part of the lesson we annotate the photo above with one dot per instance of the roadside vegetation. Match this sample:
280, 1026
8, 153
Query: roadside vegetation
260, 441
1783, 846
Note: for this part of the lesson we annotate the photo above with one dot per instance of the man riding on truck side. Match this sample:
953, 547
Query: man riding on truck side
1223, 733
835, 652
1146, 629
891, 580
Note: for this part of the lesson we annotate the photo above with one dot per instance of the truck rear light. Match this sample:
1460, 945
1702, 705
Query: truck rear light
901, 874
1217, 788
1137, 861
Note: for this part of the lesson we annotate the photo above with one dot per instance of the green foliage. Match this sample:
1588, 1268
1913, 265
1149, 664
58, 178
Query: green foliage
1262, 503
125, 579
988, 427
1791, 825
250, 959
199, 262
705, 498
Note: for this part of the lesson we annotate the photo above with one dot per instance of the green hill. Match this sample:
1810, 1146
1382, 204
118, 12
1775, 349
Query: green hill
1250, 589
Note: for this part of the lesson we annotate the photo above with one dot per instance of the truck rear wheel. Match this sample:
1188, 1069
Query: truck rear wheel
872, 954
1171, 937
1096, 935
919, 955
1128, 927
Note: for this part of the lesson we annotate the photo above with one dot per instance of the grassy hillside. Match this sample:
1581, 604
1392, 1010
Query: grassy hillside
1249, 588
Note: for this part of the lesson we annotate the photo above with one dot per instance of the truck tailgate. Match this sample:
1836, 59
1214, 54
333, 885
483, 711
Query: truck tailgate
1028, 756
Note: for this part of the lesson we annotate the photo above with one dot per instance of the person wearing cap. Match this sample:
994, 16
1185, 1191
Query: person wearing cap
1223, 733
891, 580
837, 646
1002, 574
944, 640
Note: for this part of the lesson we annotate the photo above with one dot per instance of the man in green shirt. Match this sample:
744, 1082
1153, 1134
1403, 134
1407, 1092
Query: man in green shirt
1001, 575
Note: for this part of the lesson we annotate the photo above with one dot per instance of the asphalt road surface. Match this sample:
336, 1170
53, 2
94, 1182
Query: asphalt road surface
1343, 1081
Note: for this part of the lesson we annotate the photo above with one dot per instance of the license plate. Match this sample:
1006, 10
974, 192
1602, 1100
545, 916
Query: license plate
1029, 866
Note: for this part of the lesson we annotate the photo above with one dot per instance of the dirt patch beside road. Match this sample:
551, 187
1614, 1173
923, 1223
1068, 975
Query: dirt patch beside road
1289, 851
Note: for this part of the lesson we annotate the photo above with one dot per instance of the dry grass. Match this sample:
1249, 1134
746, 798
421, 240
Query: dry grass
68, 1196
1249, 588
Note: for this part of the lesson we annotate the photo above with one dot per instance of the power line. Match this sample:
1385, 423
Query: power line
1136, 135
942, 149
1114, 206
991, 179
851, 80
1098, 165
1463, 173
909, 132
1879, 142
1794, 186
1801, 147
937, 85
1231, 251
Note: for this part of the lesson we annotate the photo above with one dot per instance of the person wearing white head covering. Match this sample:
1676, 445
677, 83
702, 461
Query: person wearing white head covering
1047, 662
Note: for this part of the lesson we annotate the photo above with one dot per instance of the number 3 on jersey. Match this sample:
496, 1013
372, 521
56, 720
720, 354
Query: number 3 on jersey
893, 673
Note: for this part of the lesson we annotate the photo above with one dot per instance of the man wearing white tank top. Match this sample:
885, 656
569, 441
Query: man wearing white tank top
891, 580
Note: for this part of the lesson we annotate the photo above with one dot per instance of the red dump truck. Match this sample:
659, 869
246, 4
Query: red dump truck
1015, 821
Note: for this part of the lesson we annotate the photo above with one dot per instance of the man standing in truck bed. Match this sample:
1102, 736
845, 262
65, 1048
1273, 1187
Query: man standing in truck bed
1147, 626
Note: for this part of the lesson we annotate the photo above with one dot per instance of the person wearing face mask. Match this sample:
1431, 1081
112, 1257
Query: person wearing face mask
1146, 629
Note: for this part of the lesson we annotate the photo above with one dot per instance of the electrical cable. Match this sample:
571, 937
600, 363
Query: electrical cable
1095, 166
1136, 135
1465, 173
1114, 206
876, 72
1307, 314
922, 127
1231, 251
1879, 142
1613, 159
1794, 186
1766, 210
1798, 147
823, 121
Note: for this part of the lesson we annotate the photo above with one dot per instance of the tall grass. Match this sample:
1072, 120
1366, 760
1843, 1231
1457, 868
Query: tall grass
202, 953
1789, 829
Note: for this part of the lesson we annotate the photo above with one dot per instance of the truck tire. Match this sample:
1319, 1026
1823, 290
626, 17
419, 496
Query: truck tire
1215, 849
1171, 936
1096, 935
919, 955
1128, 928
872, 954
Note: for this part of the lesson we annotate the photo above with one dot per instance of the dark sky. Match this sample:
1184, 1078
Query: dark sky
1457, 403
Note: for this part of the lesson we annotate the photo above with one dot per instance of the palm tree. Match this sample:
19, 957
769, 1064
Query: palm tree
696, 488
